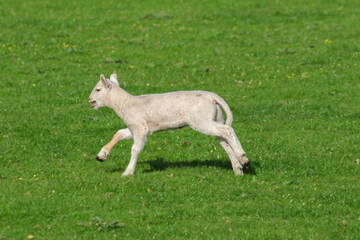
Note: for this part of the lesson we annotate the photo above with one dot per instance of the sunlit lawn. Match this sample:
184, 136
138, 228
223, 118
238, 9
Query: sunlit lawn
288, 70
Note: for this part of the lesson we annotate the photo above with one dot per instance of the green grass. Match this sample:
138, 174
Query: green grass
289, 71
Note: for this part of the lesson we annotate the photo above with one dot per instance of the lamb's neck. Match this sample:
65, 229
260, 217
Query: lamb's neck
118, 99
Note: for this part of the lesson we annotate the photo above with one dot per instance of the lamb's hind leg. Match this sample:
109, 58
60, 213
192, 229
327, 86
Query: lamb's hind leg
226, 132
234, 161
237, 167
119, 135
231, 138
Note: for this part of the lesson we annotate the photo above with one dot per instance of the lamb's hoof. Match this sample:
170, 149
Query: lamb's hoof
125, 174
102, 155
239, 172
246, 165
244, 161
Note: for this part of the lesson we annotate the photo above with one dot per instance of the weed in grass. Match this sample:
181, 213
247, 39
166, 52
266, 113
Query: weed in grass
101, 225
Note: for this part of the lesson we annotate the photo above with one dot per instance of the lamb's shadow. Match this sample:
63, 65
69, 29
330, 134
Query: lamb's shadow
160, 164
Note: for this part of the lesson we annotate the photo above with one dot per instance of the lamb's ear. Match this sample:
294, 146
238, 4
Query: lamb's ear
104, 81
113, 78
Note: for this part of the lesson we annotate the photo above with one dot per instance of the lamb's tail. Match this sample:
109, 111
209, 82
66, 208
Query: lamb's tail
225, 107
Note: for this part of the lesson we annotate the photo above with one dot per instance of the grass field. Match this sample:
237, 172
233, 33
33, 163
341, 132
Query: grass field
289, 71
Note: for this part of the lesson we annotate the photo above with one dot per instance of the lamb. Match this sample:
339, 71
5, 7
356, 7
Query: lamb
146, 114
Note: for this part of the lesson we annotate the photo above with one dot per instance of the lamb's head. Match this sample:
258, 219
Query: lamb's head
98, 95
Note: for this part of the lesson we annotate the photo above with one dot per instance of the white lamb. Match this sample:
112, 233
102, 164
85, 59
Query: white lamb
146, 114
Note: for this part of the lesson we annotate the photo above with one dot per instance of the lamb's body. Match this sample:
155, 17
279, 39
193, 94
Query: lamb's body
147, 114
167, 110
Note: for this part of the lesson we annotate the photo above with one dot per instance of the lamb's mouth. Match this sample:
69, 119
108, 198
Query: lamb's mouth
94, 106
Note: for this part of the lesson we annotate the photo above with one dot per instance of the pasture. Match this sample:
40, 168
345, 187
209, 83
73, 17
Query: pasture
289, 71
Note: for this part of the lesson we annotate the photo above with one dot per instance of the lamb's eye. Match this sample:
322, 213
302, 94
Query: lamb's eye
98, 90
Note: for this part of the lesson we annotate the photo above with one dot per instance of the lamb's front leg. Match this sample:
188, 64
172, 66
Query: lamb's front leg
119, 135
137, 147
